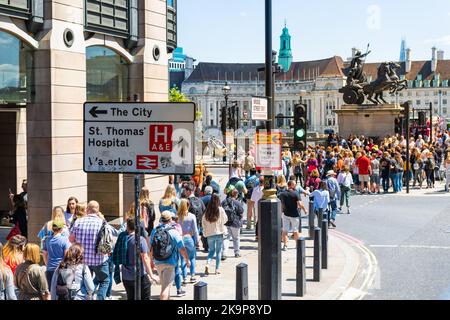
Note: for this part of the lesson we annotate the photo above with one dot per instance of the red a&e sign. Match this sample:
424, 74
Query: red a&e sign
161, 138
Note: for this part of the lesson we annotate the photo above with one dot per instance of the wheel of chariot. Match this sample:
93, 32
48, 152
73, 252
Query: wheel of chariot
350, 96
361, 99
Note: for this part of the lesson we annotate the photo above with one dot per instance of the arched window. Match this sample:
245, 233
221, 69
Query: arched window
16, 62
106, 75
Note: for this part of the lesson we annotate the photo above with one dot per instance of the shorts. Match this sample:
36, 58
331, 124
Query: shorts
356, 179
166, 274
364, 178
375, 178
291, 224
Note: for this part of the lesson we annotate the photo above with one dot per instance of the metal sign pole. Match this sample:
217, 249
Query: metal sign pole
137, 232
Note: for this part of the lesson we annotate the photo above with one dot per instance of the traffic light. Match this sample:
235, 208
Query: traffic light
223, 120
300, 124
421, 118
230, 118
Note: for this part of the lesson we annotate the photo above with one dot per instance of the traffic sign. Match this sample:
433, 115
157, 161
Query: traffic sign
268, 151
141, 138
259, 108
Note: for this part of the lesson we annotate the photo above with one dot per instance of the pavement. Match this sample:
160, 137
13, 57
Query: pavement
343, 265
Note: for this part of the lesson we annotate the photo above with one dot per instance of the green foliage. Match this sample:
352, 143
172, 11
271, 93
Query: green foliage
176, 96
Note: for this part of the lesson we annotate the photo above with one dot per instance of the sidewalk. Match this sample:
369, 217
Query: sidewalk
343, 263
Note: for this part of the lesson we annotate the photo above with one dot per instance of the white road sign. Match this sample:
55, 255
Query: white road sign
268, 151
259, 108
139, 138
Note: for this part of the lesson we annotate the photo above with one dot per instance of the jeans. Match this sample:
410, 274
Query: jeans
192, 253
430, 177
233, 234
385, 182
49, 276
178, 273
345, 195
418, 176
333, 205
145, 288
102, 278
215, 246
398, 183
111, 273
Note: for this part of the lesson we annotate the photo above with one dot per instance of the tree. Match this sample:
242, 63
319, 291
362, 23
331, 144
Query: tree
176, 96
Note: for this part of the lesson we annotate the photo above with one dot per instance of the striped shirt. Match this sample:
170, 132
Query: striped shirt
85, 231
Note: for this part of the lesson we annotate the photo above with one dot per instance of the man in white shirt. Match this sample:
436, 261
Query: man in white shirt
257, 195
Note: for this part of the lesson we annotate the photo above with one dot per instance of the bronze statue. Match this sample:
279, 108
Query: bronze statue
357, 89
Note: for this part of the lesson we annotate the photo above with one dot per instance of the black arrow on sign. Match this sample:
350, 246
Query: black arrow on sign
94, 112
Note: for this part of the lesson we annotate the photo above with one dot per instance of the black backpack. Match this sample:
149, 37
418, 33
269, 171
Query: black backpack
196, 207
65, 283
230, 210
162, 244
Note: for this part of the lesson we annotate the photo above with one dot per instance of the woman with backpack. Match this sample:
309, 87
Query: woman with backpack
6, 280
214, 229
47, 229
148, 209
169, 201
30, 276
72, 279
54, 249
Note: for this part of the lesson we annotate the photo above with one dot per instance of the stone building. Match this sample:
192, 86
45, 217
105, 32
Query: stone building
56, 55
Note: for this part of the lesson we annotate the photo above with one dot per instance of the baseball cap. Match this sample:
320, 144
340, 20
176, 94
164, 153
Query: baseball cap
59, 223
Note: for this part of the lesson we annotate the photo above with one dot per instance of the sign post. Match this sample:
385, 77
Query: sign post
259, 108
139, 138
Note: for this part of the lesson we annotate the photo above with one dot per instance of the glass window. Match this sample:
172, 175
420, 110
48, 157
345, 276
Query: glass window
106, 75
444, 101
15, 70
109, 16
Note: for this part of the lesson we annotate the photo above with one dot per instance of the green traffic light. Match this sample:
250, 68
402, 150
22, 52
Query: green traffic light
300, 133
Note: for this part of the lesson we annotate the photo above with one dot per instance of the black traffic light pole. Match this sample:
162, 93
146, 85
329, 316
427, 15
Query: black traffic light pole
406, 106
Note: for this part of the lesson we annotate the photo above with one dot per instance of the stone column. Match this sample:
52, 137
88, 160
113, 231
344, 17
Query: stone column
54, 117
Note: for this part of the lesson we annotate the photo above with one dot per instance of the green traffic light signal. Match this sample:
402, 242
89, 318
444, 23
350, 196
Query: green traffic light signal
300, 133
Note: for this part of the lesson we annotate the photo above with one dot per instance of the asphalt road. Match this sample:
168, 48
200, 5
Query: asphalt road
410, 237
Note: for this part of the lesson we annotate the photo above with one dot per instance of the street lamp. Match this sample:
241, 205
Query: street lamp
226, 93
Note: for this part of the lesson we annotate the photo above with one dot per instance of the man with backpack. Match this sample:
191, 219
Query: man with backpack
250, 183
335, 194
165, 245
234, 210
95, 236
196, 207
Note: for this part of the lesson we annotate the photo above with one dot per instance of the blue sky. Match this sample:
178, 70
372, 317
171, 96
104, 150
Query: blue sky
233, 30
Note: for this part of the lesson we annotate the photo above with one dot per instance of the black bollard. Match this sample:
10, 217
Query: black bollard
269, 253
324, 244
301, 267
201, 291
242, 281
319, 217
311, 216
317, 253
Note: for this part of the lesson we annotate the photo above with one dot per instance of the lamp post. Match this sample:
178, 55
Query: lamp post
226, 93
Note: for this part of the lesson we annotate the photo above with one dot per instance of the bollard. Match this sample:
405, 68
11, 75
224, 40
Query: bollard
317, 253
201, 291
320, 214
324, 244
242, 281
301, 267
311, 216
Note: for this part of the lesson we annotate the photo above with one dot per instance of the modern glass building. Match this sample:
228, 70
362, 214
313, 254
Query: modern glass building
54, 56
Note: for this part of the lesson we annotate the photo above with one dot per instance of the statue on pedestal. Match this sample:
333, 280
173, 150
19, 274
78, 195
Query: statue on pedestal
357, 89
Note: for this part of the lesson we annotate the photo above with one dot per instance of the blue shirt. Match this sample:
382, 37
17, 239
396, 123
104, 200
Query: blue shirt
128, 271
177, 242
55, 246
189, 225
321, 199
68, 217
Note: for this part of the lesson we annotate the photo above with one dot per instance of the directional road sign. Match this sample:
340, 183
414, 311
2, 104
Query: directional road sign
268, 151
141, 138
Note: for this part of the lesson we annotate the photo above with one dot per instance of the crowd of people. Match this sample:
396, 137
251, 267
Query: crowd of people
80, 254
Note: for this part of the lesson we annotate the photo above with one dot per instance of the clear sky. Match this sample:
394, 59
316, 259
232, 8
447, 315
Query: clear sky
233, 30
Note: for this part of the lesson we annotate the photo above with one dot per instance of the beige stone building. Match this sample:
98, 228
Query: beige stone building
54, 56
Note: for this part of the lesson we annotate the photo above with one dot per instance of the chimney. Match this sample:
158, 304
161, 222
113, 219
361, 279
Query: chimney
408, 61
440, 55
433, 59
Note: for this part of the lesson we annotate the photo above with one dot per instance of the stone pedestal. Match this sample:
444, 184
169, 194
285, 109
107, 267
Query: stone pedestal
368, 120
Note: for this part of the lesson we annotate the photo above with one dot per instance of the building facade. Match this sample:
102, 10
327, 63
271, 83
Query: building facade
181, 67
317, 82
56, 55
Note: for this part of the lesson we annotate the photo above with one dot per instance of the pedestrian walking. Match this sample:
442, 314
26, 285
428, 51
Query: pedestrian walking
165, 246
375, 174
321, 198
188, 223
80, 212
85, 232
250, 184
147, 209
345, 180
71, 210
447, 173
291, 203
72, 279
364, 172
47, 230
13, 251
169, 201
213, 222
249, 164
257, 195
312, 182
235, 212
54, 248
385, 167
7, 291
335, 194
197, 208
30, 276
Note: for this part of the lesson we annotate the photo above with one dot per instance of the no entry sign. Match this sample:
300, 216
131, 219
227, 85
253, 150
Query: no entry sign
139, 137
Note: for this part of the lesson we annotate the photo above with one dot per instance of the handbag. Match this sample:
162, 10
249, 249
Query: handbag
14, 231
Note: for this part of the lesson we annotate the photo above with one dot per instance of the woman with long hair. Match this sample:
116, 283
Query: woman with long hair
71, 210
169, 201
82, 287
6, 279
80, 212
13, 252
148, 209
313, 180
47, 229
19, 216
30, 276
188, 223
213, 223
281, 184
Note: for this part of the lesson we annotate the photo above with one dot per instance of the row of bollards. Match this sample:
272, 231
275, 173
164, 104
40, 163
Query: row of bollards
201, 288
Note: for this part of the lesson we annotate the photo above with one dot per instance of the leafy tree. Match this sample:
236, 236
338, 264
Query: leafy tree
176, 96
